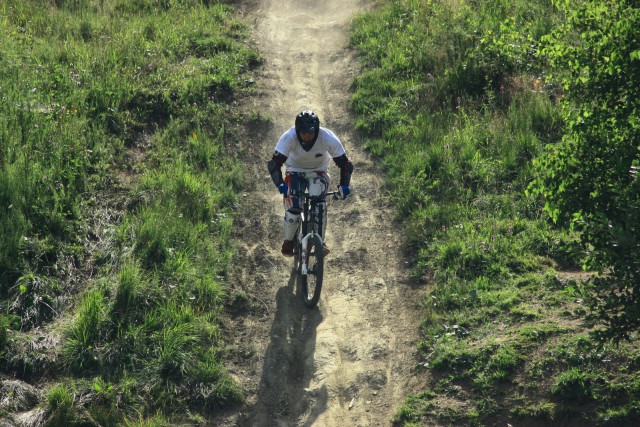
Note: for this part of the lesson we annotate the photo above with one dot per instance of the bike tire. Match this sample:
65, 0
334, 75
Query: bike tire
312, 281
297, 256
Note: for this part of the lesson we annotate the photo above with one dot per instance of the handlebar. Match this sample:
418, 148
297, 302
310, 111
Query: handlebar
335, 194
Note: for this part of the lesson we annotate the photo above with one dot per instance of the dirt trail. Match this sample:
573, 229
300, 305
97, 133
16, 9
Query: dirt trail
348, 362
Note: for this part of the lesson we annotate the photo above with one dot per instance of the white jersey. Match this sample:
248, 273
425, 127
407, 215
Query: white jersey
317, 158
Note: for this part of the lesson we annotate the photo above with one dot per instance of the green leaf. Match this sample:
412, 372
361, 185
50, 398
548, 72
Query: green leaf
635, 55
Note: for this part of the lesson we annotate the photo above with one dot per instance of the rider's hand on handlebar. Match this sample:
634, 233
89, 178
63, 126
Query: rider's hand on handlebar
344, 191
283, 189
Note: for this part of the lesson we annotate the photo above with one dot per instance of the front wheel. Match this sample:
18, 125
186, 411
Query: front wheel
312, 281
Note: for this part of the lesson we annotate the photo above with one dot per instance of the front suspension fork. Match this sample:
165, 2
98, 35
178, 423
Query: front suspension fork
304, 251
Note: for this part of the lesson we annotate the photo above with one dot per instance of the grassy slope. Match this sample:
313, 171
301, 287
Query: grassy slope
117, 190
91, 87
454, 107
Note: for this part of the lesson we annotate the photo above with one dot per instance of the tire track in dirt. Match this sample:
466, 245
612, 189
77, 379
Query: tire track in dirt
348, 362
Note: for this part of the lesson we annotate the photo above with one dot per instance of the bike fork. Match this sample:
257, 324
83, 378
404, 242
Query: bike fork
303, 244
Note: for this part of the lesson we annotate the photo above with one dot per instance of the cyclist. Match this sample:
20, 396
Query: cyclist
305, 150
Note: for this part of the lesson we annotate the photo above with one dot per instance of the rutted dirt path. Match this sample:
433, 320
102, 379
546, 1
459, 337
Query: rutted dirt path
348, 362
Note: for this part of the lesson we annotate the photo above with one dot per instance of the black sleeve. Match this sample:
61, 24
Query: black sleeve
346, 168
275, 167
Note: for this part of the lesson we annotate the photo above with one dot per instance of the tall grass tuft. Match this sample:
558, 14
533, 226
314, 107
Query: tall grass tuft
4, 334
128, 294
86, 333
60, 401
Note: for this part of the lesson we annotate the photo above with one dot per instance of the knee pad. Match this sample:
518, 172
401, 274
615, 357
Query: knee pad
292, 217
291, 222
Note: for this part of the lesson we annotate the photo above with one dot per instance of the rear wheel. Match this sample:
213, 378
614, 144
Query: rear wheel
312, 281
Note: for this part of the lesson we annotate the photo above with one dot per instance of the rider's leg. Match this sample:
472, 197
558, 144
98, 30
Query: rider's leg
293, 208
291, 221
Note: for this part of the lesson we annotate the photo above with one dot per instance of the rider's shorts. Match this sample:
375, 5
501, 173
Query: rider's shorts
316, 182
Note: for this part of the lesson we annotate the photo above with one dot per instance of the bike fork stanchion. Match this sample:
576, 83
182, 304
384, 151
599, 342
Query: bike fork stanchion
303, 256
304, 244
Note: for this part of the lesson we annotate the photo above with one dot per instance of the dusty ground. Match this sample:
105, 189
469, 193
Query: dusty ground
349, 361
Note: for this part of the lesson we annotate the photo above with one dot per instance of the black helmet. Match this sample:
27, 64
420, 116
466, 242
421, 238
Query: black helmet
307, 122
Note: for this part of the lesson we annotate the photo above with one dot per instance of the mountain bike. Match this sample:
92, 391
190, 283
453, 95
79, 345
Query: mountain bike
308, 248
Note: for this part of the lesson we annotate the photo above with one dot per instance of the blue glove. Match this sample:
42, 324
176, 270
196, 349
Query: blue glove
283, 189
344, 191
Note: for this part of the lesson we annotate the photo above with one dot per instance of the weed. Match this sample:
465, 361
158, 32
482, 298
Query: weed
573, 385
130, 283
35, 300
156, 421
503, 363
4, 334
86, 333
543, 410
626, 416
60, 402
453, 355
406, 415
540, 332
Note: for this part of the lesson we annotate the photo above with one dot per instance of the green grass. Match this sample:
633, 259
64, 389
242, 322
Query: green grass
452, 104
60, 402
117, 187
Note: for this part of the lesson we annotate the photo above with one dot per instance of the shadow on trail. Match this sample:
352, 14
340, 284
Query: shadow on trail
283, 397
